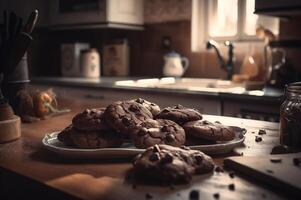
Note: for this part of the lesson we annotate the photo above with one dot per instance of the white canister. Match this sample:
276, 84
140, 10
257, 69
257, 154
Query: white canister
90, 63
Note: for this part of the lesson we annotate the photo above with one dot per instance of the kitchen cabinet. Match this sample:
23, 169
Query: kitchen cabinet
24, 8
96, 13
251, 110
107, 96
78, 14
278, 8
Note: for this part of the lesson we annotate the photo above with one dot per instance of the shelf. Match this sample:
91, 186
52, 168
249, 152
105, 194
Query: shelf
110, 25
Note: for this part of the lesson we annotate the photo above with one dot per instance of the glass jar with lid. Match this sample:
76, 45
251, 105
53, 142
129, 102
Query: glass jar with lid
290, 116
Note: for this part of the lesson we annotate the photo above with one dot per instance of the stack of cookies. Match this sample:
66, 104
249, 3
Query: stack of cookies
142, 122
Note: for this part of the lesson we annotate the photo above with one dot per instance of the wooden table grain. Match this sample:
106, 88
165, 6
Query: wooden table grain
61, 178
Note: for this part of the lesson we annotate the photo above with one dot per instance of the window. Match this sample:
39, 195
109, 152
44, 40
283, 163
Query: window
227, 20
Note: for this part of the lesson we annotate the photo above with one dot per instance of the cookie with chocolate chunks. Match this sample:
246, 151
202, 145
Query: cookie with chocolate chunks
165, 165
124, 116
90, 120
161, 131
179, 114
211, 131
152, 107
73, 137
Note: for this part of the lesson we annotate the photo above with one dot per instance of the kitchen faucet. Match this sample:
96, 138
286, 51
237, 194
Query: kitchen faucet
229, 65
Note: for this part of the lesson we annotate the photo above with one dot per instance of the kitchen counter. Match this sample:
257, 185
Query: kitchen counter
269, 95
27, 169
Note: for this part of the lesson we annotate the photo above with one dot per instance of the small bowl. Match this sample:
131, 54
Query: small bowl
10, 130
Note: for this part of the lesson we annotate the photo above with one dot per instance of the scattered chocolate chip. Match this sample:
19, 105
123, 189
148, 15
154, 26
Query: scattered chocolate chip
231, 174
276, 160
154, 157
148, 196
262, 132
296, 161
231, 187
194, 195
258, 139
270, 171
156, 148
253, 132
167, 159
216, 195
282, 149
170, 138
241, 153
219, 169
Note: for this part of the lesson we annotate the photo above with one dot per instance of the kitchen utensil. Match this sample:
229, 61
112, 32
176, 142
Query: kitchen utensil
51, 142
175, 65
278, 171
13, 21
90, 63
21, 43
31, 22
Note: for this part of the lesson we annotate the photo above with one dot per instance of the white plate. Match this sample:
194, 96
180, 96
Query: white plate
51, 142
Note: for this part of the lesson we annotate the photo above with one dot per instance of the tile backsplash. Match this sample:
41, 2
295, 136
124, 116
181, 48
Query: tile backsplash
146, 51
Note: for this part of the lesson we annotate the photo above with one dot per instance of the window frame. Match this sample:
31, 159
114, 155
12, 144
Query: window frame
200, 21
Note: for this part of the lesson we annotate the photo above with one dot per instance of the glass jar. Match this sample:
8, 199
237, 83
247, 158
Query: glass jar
290, 116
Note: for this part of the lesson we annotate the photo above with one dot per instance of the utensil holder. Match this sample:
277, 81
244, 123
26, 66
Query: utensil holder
15, 81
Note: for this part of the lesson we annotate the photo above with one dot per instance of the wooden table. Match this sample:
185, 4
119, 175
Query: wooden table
28, 169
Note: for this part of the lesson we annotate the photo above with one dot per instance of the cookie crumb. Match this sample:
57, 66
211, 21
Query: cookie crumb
262, 132
194, 195
231, 187
148, 196
270, 171
276, 160
219, 169
296, 161
216, 195
232, 174
258, 139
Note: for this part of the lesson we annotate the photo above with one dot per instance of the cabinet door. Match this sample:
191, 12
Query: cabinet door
63, 12
127, 12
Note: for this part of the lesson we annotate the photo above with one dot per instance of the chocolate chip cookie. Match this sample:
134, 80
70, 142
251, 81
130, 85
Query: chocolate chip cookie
164, 164
179, 114
73, 137
124, 116
90, 120
161, 131
152, 107
209, 131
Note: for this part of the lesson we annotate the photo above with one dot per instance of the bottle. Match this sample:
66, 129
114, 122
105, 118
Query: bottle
90, 63
290, 116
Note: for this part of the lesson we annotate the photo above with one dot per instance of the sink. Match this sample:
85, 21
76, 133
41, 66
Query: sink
191, 84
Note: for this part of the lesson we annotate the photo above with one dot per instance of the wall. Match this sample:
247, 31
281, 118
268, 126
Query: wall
147, 53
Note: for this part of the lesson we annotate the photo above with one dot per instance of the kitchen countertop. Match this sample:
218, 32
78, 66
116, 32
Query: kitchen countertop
270, 95
26, 168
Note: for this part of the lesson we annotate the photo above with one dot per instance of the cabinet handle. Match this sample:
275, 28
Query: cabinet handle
92, 96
